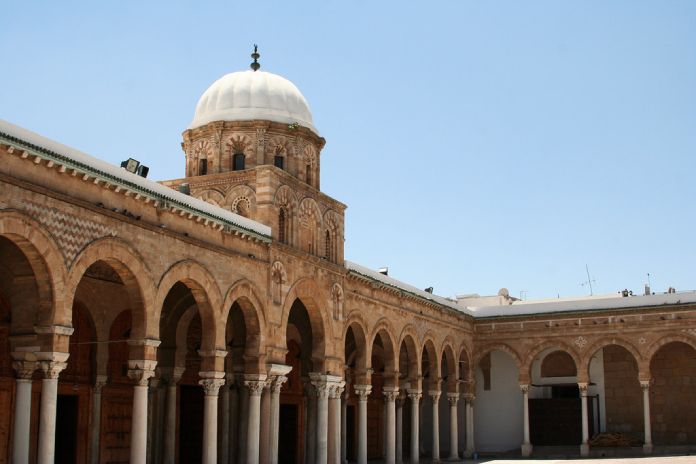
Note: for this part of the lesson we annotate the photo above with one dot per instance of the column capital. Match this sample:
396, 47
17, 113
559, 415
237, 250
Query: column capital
277, 384
524, 388
469, 398
414, 395
211, 386
363, 391
645, 384
434, 394
141, 371
24, 369
99, 383
337, 390
583, 387
453, 398
52, 369
255, 383
390, 393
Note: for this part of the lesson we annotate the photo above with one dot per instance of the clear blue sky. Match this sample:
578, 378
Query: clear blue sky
477, 144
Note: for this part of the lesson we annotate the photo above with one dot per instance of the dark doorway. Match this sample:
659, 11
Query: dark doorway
190, 424
287, 438
66, 429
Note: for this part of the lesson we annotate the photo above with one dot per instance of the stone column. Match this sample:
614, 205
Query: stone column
470, 447
322, 391
264, 437
278, 382
310, 423
234, 422
585, 446
399, 429
344, 427
95, 432
390, 394
526, 444
243, 393
224, 425
363, 391
47, 414
435, 397
21, 429
140, 372
255, 387
648, 445
453, 399
335, 423
169, 455
415, 396
211, 383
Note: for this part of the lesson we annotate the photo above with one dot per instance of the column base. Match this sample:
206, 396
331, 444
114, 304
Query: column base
584, 450
468, 453
526, 449
648, 448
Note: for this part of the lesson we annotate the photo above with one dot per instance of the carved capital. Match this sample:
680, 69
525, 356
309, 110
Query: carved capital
321, 389
390, 394
469, 398
211, 386
524, 388
434, 395
24, 369
337, 391
363, 391
255, 386
645, 384
99, 383
278, 382
583, 387
414, 395
452, 398
141, 371
52, 369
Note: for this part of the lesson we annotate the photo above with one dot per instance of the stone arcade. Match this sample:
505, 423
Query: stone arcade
213, 319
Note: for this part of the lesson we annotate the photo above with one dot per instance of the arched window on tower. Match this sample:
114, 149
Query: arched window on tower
238, 162
308, 173
203, 167
327, 246
282, 232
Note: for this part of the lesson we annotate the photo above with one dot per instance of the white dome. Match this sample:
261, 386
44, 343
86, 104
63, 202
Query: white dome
249, 95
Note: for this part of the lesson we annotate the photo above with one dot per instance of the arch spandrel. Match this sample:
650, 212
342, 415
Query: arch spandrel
530, 356
132, 270
47, 263
205, 291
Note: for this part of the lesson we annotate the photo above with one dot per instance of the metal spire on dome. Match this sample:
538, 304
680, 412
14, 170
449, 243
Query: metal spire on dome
255, 65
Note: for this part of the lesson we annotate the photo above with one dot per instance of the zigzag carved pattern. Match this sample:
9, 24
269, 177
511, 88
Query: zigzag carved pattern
70, 232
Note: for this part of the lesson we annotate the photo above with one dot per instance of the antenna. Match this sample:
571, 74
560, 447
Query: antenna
589, 280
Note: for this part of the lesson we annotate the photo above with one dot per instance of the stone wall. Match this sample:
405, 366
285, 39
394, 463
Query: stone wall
624, 397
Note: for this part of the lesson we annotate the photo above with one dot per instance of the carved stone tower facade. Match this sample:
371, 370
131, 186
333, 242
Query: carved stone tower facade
252, 149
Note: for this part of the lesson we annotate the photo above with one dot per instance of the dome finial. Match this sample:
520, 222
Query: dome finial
255, 65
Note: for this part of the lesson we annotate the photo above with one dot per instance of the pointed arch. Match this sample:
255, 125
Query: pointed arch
408, 341
385, 333
584, 368
356, 324
504, 347
246, 295
133, 271
666, 339
205, 292
308, 292
430, 355
531, 355
46, 261
449, 359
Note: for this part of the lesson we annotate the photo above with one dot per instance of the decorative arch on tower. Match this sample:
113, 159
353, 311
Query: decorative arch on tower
242, 200
286, 207
310, 225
